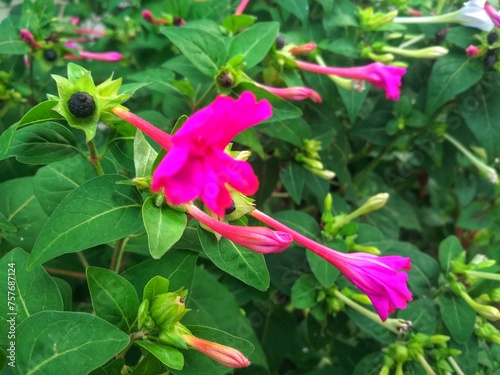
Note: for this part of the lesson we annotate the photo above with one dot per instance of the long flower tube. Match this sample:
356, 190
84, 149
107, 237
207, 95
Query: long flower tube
147, 15
110, 56
379, 75
196, 164
241, 7
29, 39
379, 277
259, 239
293, 93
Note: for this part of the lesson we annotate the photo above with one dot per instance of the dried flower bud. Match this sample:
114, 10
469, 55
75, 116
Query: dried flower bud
225, 79
440, 35
81, 105
280, 42
231, 208
492, 37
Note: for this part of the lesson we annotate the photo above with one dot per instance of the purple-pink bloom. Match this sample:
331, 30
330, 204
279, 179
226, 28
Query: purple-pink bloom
111, 56
29, 39
386, 77
493, 14
293, 93
259, 239
196, 164
303, 49
379, 277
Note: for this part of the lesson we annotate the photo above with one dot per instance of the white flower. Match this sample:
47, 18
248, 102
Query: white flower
473, 14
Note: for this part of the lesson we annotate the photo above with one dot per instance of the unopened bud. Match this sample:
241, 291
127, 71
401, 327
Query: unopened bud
400, 353
494, 295
439, 339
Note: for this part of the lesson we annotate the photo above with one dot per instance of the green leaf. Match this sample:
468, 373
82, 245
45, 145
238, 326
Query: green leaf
293, 178
371, 364
37, 14
148, 365
31, 292
73, 343
451, 75
236, 260
449, 249
482, 117
299, 221
374, 329
42, 112
457, 316
291, 131
254, 43
164, 226
353, 101
98, 211
299, 8
6, 139
206, 51
12, 47
423, 314
234, 23
144, 155
6, 225
197, 363
305, 292
53, 182
470, 357
177, 266
323, 270
250, 139
43, 144
66, 293
168, 355
157, 285
113, 298
21, 208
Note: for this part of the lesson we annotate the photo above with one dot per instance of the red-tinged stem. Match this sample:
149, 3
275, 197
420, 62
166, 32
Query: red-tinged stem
314, 246
159, 136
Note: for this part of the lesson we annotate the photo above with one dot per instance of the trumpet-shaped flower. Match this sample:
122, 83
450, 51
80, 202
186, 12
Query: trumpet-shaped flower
196, 164
379, 277
293, 93
225, 355
379, 75
259, 239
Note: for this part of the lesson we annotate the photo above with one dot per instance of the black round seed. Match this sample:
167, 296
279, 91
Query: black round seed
492, 38
490, 58
230, 209
49, 55
225, 79
81, 105
280, 42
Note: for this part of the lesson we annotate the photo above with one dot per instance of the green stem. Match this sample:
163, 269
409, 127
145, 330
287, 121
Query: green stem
59, 272
389, 323
118, 251
455, 366
83, 259
483, 275
428, 369
412, 41
94, 158
133, 336
444, 18
203, 97
365, 172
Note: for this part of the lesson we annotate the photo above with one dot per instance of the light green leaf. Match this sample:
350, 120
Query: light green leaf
113, 298
238, 261
144, 155
324, 271
449, 249
457, 316
98, 211
164, 226
157, 285
168, 355
32, 292
234, 23
66, 342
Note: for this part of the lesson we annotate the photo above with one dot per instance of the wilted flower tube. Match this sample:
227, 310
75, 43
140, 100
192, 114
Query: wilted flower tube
259, 239
147, 15
379, 277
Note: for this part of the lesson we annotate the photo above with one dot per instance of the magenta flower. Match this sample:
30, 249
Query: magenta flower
293, 93
259, 239
379, 277
196, 164
493, 14
111, 56
379, 75
29, 39
241, 7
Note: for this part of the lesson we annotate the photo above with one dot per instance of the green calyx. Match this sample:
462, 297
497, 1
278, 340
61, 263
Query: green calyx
85, 114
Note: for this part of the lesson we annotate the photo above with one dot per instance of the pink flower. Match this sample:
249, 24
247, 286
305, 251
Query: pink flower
293, 93
241, 7
225, 355
90, 32
379, 75
472, 51
75, 21
148, 16
259, 239
111, 56
196, 164
379, 277
29, 39
303, 49
493, 14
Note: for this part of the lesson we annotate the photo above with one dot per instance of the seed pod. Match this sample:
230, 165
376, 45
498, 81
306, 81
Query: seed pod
492, 38
50, 55
490, 58
280, 42
440, 35
225, 79
230, 209
81, 105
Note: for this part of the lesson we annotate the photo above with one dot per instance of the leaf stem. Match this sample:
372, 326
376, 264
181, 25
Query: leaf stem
455, 366
57, 271
83, 259
133, 336
118, 251
94, 158
428, 369
203, 97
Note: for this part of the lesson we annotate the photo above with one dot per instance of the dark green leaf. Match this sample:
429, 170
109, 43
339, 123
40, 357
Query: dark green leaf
324, 271
250, 139
305, 292
299, 8
293, 178
468, 360
457, 316
423, 314
353, 101
236, 260
68, 342
113, 298
98, 211
449, 249
164, 226
40, 113
291, 131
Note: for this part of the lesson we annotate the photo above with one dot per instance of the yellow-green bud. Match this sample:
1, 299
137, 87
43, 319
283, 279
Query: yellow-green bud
494, 295
168, 308
143, 313
400, 353
439, 339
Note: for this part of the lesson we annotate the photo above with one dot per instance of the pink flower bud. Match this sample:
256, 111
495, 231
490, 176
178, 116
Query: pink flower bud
147, 15
293, 93
29, 39
225, 355
303, 49
98, 56
472, 51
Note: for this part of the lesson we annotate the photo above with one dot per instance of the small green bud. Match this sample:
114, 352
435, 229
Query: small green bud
168, 308
142, 313
335, 305
400, 353
81, 105
494, 295
439, 339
